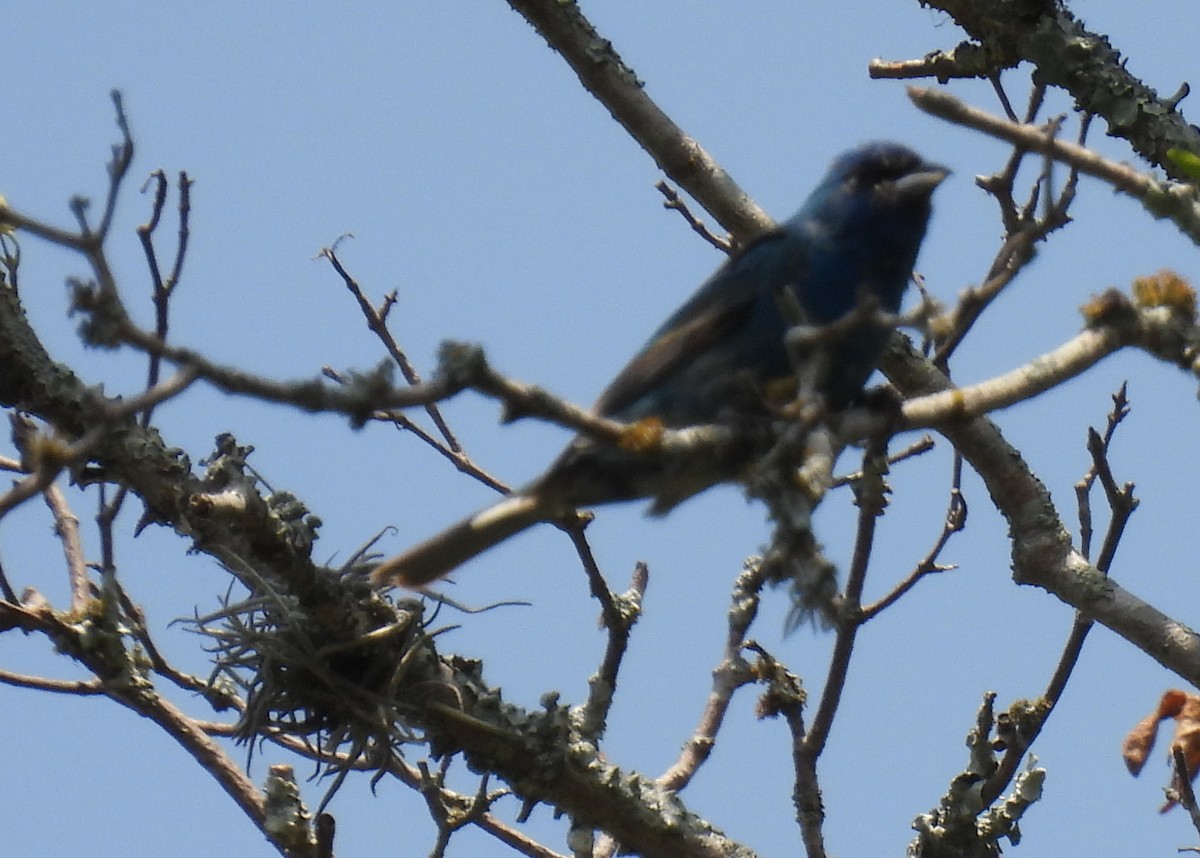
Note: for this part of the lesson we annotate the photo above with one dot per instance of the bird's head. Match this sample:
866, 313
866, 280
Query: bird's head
863, 226
882, 181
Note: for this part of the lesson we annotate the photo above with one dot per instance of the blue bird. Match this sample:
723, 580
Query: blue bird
721, 357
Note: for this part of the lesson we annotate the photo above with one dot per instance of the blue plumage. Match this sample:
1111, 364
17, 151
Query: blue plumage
857, 234
722, 355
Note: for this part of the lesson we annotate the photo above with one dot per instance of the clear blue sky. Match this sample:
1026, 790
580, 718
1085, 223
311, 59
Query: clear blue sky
504, 205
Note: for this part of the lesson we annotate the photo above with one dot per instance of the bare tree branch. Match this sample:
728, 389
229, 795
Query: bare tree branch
1042, 550
1162, 199
606, 76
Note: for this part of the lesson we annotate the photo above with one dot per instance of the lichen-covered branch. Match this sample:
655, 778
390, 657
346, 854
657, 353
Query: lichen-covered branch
533, 752
1067, 55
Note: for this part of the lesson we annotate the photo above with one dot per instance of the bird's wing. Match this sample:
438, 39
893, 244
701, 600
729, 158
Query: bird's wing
716, 311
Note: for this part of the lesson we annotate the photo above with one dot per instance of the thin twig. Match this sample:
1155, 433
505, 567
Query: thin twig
1024, 229
675, 203
66, 527
377, 322
6, 588
919, 447
732, 673
463, 462
806, 752
618, 616
1181, 785
84, 687
954, 521
118, 168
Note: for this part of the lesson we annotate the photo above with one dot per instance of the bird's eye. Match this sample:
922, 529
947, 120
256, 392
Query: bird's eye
878, 172
882, 167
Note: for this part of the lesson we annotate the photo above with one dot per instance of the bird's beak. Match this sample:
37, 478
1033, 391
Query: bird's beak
921, 184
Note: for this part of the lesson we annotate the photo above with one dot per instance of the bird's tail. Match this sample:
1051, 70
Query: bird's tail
458, 543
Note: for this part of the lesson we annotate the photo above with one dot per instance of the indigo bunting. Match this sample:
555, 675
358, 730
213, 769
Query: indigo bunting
722, 357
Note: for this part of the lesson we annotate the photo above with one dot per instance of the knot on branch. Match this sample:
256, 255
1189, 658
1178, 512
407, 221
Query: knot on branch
105, 322
461, 364
366, 389
268, 524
